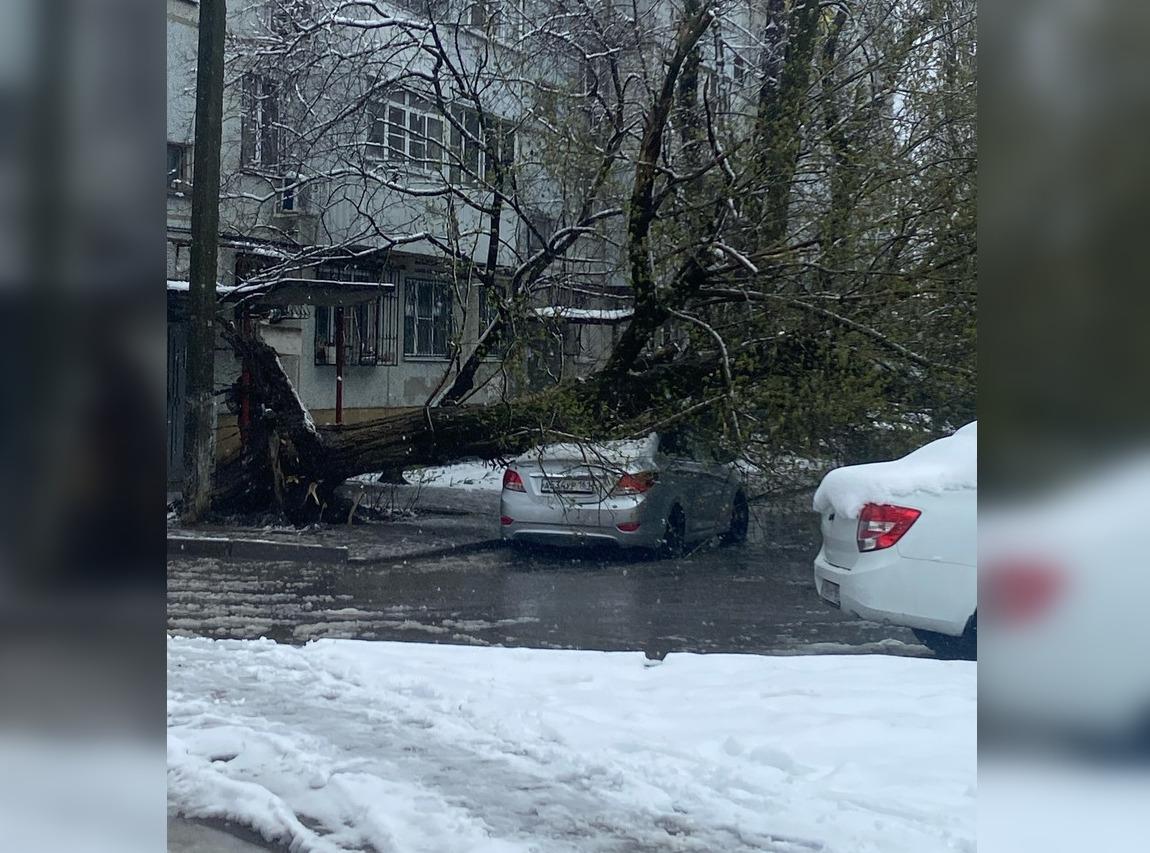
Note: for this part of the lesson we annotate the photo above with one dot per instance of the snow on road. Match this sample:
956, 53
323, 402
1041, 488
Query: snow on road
348, 745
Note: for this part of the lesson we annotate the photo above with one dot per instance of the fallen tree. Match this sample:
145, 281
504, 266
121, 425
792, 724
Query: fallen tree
289, 463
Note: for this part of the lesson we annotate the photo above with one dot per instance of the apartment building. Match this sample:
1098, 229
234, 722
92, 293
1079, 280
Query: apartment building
356, 222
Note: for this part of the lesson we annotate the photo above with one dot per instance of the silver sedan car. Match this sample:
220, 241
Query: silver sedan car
656, 493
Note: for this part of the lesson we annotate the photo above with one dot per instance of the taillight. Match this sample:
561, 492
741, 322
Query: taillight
635, 484
512, 481
1018, 590
882, 525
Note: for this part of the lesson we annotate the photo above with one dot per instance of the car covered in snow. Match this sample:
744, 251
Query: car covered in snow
661, 492
900, 542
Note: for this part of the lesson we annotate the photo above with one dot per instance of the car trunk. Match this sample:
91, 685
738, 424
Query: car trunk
568, 480
840, 539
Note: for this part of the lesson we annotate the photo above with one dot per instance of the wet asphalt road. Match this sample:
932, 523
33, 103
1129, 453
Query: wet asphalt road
757, 598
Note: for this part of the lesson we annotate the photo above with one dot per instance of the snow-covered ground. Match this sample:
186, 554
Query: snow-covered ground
346, 745
475, 474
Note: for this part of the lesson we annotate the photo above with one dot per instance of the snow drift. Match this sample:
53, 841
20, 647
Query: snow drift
347, 745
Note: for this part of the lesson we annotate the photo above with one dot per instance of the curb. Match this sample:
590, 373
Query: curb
430, 553
254, 549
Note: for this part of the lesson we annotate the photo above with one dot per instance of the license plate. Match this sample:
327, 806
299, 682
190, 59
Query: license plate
830, 593
569, 486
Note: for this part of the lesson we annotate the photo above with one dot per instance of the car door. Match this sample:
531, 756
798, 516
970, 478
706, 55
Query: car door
714, 486
725, 481
684, 479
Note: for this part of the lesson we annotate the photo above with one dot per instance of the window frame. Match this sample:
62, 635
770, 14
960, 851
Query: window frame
488, 310
411, 309
399, 134
260, 136
379, 314
182, 182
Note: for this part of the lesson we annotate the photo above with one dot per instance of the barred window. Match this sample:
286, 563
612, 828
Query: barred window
427, 318
370, 332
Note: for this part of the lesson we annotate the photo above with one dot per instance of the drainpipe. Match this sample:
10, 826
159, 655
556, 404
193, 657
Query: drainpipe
339, 364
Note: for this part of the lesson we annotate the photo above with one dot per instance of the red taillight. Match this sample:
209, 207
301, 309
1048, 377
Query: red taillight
506, 520
1019, 590
635, 484
512, 481
628, 526
882, 525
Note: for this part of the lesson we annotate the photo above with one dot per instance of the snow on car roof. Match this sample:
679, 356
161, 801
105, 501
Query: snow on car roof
945, 464
621, 452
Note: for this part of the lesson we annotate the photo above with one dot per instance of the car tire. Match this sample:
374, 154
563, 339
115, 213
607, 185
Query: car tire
946, 647
674, 538
736, 533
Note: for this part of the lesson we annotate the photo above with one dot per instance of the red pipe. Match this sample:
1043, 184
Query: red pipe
339, 365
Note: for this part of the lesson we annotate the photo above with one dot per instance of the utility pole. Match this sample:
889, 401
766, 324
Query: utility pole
200, 413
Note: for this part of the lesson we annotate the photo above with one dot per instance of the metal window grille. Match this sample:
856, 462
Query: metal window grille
370, 329
427, 318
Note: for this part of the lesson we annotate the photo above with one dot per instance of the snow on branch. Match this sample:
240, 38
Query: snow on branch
586, 316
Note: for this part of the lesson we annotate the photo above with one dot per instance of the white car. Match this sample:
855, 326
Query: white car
1064, 581
900, 542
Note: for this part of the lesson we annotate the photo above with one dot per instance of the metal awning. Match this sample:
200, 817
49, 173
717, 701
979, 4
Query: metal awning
310, 291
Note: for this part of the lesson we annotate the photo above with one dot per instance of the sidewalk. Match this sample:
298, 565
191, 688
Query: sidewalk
440, 521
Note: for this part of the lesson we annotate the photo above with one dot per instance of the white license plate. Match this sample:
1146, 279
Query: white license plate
830, 593
569, 486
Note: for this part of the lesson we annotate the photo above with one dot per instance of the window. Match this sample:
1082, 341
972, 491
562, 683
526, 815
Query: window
466, 147
504, 139
427, 318
406, 129
293, 195
409, 130
740, 68
435, 9
535, 239
259, 122
288, 17
488, 311
483, 12
503, 18
179, 173
370, 335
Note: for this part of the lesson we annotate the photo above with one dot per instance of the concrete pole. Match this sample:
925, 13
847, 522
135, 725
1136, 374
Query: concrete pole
200, 422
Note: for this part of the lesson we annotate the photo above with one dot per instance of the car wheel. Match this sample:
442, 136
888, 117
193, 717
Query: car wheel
740, 521
946, 647
675, 534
